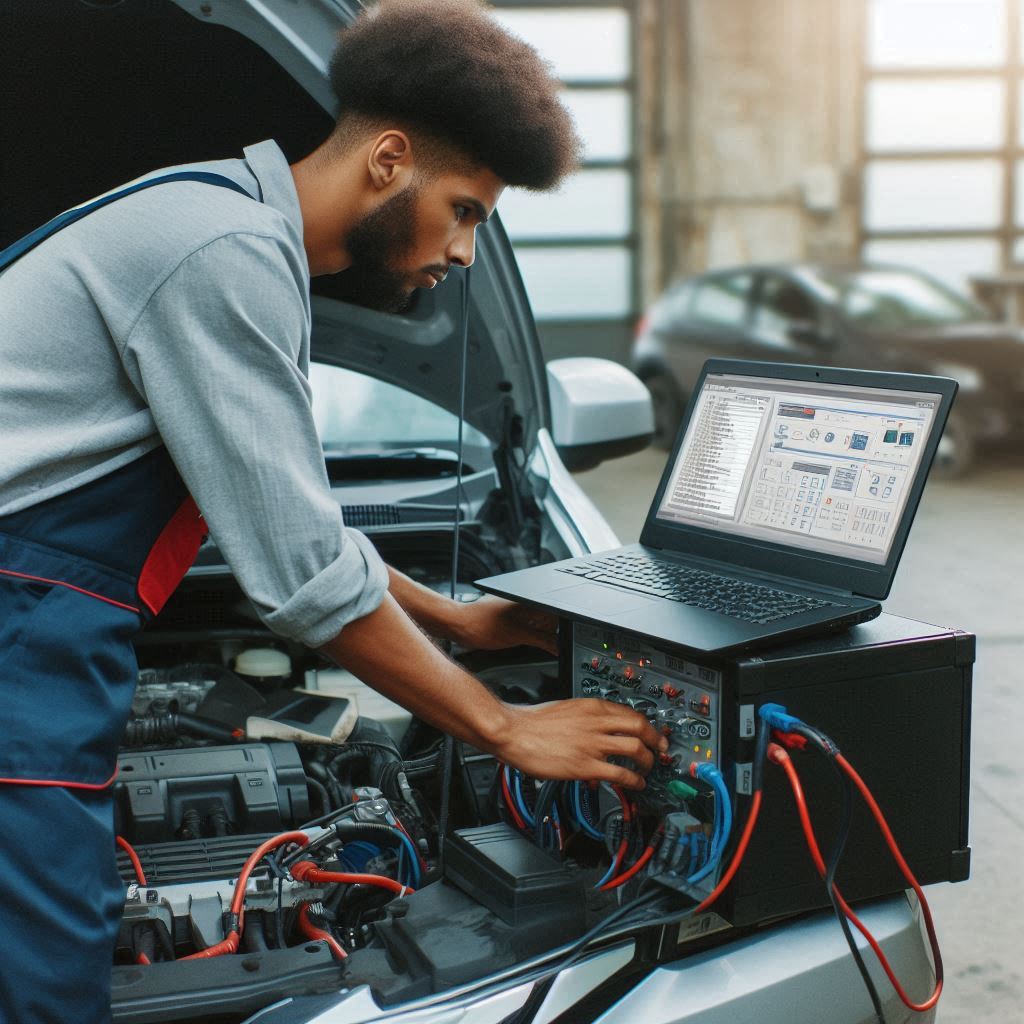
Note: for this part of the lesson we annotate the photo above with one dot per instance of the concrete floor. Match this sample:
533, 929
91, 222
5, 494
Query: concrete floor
962, 566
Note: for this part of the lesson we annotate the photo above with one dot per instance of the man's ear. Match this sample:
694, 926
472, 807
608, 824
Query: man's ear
390, 160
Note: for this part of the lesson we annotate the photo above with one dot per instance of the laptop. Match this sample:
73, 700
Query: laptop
782, 511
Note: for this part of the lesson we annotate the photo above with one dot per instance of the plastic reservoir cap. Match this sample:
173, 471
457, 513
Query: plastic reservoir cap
263, 663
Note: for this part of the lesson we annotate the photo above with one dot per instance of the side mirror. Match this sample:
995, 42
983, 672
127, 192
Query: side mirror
806, 332
599, 410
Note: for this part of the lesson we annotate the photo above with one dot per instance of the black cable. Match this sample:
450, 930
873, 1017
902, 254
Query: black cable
579, 948
326, 817
447, 760
321, 791
827, 747
279, 917
845, 818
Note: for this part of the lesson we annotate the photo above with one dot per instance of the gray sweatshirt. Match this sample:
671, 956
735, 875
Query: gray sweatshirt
180, 315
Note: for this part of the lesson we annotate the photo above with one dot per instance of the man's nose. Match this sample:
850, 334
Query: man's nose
461, 251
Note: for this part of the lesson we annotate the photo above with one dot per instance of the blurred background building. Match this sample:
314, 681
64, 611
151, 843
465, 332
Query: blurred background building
723, 132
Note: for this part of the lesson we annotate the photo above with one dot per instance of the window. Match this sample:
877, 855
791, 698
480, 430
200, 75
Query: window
943, 131
893, 299
722, 301
781, 305
575, 246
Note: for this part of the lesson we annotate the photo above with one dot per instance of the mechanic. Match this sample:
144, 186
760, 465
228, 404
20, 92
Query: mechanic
153, 363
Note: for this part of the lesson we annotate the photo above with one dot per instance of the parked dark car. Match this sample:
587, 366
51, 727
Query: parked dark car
872, 317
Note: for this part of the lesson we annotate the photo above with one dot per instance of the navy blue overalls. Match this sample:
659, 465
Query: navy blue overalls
79, 575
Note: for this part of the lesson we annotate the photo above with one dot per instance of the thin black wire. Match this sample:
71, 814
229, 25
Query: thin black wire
448, 755
542, 982
845, 817
827, 747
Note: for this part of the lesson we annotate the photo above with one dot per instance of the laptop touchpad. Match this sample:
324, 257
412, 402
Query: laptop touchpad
597, 600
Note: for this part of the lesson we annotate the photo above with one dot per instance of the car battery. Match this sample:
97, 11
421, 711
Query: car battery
894, 695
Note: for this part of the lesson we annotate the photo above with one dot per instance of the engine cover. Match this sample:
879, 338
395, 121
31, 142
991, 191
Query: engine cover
247, 788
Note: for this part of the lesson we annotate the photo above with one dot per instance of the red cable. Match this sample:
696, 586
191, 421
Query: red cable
737, 857
622, 879
509, 802
133, 857
777, 755
231, 942
311, 931
627, 814
307, 871
890, 840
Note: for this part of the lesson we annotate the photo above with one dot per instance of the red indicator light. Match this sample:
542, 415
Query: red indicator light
618, 654
670, 691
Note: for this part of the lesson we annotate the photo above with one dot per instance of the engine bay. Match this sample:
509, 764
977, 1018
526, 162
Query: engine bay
278, 827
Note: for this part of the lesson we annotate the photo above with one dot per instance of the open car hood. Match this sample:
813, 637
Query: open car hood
207, 78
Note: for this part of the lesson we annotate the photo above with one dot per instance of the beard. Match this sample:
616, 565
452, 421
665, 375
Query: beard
376, 244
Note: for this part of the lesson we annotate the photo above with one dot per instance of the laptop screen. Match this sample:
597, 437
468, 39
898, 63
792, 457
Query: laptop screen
777, 460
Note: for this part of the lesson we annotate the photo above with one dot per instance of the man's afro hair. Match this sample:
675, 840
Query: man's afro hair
446, 68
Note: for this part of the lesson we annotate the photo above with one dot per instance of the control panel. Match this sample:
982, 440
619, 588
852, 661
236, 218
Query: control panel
681, 699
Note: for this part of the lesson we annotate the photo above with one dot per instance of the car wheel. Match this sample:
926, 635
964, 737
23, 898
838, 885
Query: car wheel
668, 408
955, 453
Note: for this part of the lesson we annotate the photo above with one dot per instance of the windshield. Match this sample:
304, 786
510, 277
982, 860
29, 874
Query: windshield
354, 412
894, 299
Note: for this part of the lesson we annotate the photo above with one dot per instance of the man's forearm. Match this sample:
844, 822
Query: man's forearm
437, 614
387, 651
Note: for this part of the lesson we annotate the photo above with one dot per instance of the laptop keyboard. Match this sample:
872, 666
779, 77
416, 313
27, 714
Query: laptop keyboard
739, 599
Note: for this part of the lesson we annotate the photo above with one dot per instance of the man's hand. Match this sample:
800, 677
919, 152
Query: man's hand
491, 624
571, 739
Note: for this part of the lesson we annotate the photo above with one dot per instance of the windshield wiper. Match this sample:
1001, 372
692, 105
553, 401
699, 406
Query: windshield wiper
396, 463
404, 454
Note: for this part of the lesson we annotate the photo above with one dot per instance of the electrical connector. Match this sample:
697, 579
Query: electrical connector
793, 740
681, 790
706, 772
776, 717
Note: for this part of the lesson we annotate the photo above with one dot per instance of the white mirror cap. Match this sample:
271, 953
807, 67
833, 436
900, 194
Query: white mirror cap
596, 400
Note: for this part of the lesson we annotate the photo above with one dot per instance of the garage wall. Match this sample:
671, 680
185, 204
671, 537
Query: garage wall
749, 118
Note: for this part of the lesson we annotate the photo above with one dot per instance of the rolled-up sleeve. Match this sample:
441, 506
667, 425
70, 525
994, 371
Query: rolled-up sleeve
214, 354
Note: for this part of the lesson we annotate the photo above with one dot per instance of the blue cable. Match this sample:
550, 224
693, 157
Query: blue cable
723, 820
415, 867
608, 874
719, 783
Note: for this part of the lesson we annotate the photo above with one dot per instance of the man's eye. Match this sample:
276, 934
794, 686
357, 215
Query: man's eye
461, 212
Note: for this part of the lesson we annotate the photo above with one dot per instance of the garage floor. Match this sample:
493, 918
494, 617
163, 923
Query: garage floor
963, 566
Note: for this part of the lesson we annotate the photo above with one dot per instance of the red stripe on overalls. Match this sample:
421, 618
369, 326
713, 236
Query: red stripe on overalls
57, 782
70, 586
172, 554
